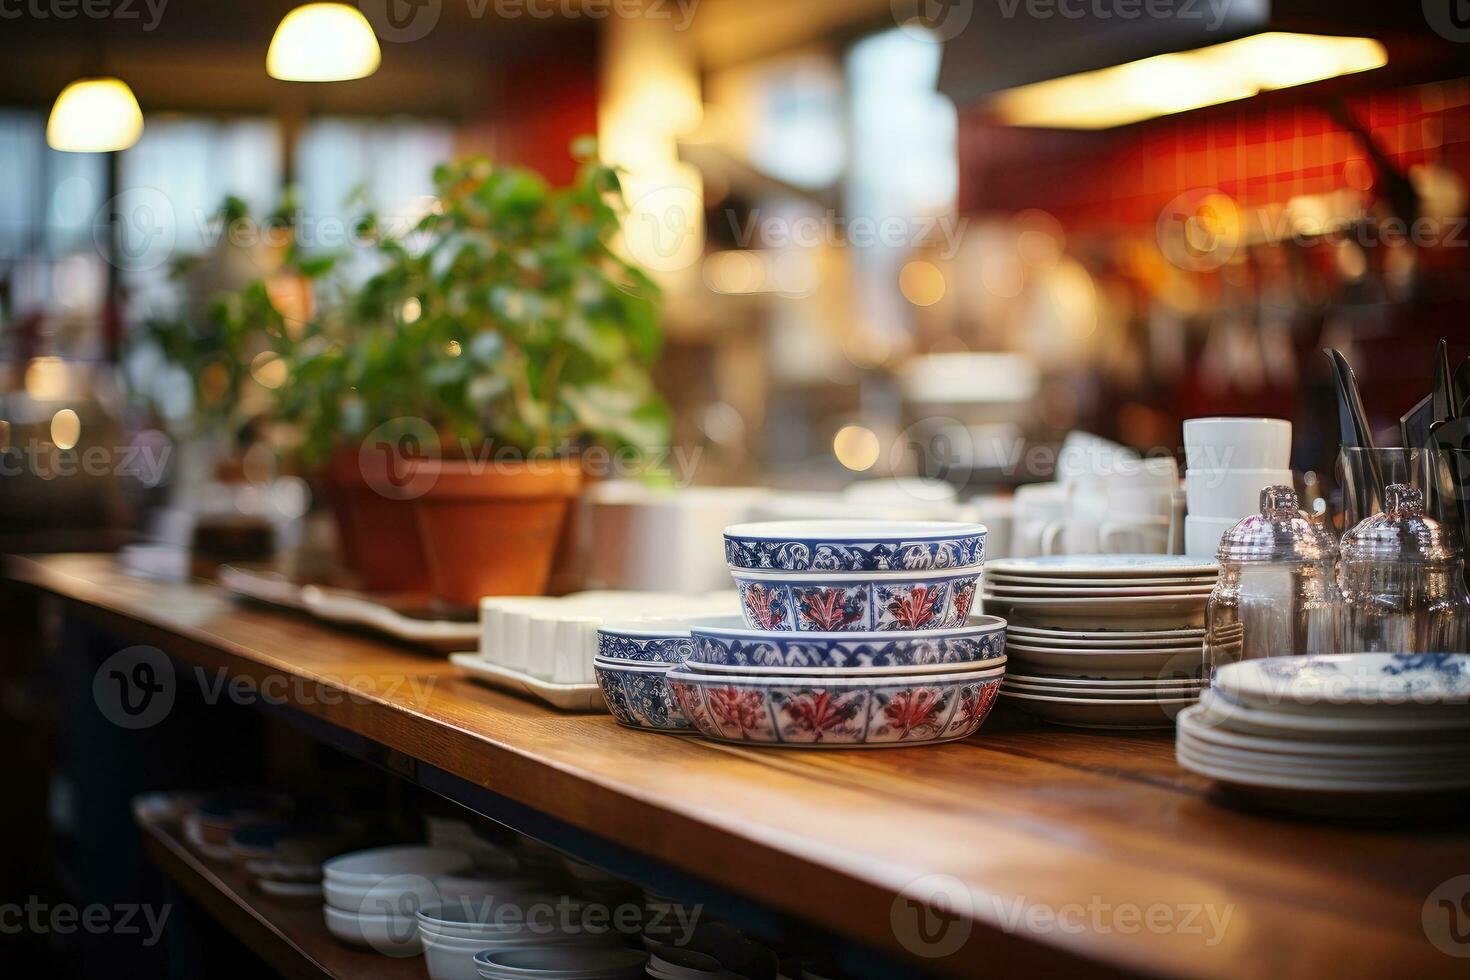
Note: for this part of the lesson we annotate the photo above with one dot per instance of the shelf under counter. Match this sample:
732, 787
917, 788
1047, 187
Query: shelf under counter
290, 936
1067, 849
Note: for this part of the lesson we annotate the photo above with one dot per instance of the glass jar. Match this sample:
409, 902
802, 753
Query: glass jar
1402, 580
1277, 593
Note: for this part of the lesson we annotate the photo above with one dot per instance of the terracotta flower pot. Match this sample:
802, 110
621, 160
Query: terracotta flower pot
491, 527
375, 520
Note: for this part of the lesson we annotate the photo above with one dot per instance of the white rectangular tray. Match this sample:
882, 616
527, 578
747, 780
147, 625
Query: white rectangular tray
347, 607
568, 697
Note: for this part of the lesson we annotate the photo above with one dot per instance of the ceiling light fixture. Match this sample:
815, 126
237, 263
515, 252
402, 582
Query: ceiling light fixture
323, 42
1184, 80
94, 115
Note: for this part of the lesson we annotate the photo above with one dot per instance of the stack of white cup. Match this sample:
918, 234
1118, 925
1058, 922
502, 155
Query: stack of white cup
1230, 460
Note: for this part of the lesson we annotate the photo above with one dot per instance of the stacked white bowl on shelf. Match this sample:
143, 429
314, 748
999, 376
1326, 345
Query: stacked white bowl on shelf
1229, 461
1103, 641
1364, 735
371, 895
856, 633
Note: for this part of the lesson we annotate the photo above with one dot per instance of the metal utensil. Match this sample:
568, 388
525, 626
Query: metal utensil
1353, 422
1462, 386
1446, 405
1414, 424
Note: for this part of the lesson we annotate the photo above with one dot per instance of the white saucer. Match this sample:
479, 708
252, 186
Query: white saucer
1104, 566
1104, 664
1085, 584
1005, 589
1104, 635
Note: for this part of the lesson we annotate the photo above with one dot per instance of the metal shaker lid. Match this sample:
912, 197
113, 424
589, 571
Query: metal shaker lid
1278, 533
1403, 533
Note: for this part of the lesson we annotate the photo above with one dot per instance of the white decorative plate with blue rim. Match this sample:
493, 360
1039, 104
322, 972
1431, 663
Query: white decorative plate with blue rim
1408, 682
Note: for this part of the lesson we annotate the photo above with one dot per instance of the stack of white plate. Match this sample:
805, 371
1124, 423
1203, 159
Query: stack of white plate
1103, 641
1118, 704
1341, 735
372, 895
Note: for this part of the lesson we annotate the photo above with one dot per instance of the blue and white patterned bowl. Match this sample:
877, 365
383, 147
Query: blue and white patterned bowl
981, 641
638, 695
834, 602
655, 640
833, 712
855, 546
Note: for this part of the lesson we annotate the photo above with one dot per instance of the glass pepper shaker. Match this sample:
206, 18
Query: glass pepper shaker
1277, 593
1402, 580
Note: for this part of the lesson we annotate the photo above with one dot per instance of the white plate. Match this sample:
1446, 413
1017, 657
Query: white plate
1002, 590
351, 608
1087, 713
1085, 584
1330, 800
1335, 683
1322, 779
1105, 635
1104, 664
1105, 694
1195, 721
1084, 646
568, 697
1105, 566
1249, 720
1165, 612
1318, 767
1103, 684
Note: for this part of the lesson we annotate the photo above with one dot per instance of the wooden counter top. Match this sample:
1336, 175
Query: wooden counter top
1067, 849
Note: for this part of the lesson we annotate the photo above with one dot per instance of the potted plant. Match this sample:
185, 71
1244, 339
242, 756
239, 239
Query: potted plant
499, 336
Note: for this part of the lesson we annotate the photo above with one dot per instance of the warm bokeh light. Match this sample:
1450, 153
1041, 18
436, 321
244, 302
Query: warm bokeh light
921, 283
94, 115
856, 447
323, 42
47, 378
1185, 80
412, 310
268, 369
736, 271
66, 429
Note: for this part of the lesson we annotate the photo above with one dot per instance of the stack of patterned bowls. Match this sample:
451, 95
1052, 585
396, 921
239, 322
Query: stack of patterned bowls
856, 633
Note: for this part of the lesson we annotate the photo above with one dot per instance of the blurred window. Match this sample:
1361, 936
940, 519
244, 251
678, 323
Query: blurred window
904, 166
383, 164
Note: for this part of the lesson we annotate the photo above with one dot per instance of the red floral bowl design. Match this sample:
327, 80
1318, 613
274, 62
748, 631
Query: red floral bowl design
826, 712
834, 602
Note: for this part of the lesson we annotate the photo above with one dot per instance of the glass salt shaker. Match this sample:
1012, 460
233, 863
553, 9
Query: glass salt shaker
1402, 580
1277, 594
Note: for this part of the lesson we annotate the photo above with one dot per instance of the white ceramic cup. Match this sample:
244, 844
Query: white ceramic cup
1230, 493
1202, 534
1039, 508
1237, 443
